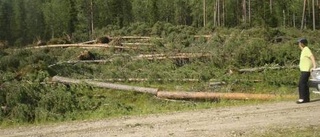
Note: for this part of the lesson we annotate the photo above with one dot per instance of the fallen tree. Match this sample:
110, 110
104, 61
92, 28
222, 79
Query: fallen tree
259, 69
80, 61
105, 85
171, 95
145, 79
215, 96
142, 56
81, 45
135, 37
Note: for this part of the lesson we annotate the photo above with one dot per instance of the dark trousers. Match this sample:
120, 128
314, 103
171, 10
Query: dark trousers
304, 87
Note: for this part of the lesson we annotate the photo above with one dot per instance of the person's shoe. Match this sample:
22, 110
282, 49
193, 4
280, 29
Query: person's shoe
300, 101
316, 92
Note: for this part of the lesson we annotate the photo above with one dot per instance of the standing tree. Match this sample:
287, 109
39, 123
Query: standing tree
244, 11
5, 20
204, 13
19, 26
34, 20
182, 13
57, 17
313, 16
303, 14
167, 10
271, 7
91, 17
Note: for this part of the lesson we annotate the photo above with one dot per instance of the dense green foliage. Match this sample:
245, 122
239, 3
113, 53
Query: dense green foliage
27, 96
26, 21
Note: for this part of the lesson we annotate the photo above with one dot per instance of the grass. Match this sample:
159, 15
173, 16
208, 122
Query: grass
94, 103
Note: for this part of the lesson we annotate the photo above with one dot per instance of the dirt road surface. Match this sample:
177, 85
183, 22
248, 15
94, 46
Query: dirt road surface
220, 122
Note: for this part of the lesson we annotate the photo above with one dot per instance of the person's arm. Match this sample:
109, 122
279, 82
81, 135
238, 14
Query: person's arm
313, 61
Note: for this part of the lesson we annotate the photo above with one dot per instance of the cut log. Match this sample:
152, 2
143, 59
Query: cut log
105, 85
203, 36
137, 44
135, 37
82, 45
80, 61
258, 69
215, 96
144, 80
139, 57
89, 42
176, 56
172, 95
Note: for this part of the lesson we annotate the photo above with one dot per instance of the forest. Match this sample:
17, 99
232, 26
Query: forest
23, 22
212, 46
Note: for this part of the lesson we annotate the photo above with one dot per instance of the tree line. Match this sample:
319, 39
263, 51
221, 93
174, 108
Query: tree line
25, 21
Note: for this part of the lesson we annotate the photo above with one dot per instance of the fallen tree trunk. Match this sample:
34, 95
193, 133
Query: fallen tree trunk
89, 42
105, 85
82, 45
203, 36
258, 69
215, 96
80, 61
137, 44
139, 57
172, 95
176, 56
144, 80
135, 37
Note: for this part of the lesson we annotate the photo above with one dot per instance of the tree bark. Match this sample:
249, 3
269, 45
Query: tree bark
249, 10
303, 14
215, 96
105, 85
142, 56
219, 13
204, 13
170, 95
223, 12
313, 15
244, 11
215, 13
264, 68
271, 7
284, 18
91, 19
81, 45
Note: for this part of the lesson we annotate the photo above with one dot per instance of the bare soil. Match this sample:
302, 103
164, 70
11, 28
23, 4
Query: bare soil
221, 122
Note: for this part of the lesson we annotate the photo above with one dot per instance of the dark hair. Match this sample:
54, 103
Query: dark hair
304, 41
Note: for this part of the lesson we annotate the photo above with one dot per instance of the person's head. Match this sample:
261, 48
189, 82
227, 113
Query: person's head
303, 42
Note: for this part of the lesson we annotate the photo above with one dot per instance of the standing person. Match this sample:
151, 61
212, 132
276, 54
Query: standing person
307, 63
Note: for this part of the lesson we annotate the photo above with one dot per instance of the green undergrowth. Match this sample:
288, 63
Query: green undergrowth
27, 95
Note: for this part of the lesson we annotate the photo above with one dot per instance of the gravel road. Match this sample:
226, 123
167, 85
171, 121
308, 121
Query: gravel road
220, 122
